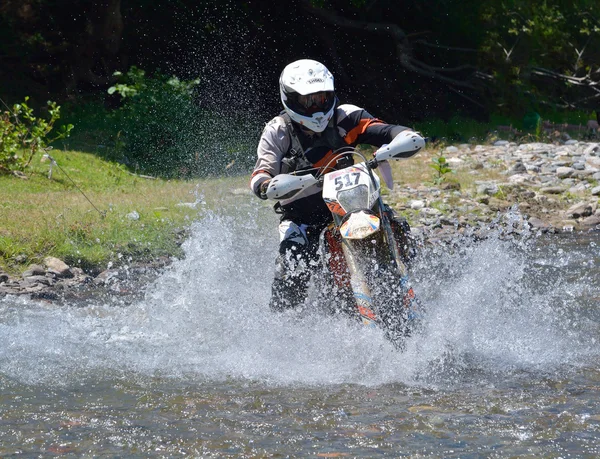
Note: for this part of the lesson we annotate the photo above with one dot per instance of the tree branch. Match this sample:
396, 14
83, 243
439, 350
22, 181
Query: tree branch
578, 81
403, 46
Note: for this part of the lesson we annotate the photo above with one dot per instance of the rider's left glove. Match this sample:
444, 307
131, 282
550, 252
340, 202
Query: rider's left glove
262, 189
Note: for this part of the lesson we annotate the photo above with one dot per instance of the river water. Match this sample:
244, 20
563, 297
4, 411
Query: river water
506, 363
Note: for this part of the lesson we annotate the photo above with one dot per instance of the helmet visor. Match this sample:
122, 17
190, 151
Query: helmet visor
309, 104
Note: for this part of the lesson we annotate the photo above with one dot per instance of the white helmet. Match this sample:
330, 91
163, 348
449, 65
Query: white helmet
307, 93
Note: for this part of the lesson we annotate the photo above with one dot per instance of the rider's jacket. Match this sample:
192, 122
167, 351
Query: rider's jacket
277, 153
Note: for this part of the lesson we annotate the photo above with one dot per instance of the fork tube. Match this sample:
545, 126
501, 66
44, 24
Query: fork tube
360, 288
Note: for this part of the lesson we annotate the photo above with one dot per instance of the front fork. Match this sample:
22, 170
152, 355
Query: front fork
360, 287
358, 280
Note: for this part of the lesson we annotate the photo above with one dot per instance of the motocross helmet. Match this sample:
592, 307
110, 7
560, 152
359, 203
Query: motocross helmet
307, 93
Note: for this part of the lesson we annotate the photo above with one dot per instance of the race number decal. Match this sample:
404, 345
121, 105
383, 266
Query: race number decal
346, 180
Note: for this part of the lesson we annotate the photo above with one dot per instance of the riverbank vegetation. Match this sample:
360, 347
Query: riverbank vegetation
90, 213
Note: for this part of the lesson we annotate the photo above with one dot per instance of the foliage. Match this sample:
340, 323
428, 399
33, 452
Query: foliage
540, 53
22, 134
441, 168
162, 130
156, 115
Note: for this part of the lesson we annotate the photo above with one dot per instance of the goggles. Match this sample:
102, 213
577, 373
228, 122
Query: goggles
317, 102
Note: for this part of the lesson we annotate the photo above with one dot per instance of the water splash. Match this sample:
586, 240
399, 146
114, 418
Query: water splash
493, 308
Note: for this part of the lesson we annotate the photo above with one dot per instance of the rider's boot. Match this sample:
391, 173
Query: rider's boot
290, 284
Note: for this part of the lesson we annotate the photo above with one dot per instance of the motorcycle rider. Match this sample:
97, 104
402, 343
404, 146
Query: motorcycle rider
311, 127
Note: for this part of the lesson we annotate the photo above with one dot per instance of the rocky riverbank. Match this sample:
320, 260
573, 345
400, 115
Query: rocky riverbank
552, 188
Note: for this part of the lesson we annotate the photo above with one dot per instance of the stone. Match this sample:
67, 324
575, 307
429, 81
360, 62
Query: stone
591, 221
430, 212
455, 162
451, 186
519, 178
579, 188
34, 270
36, 280
596, 191
487, 188
133, 215
592, 149
582, 174
57, 267
564, 172
581, 209
498, 204
518, 168
417, 204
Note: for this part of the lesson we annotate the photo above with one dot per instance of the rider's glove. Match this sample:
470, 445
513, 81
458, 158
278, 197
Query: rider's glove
262, 189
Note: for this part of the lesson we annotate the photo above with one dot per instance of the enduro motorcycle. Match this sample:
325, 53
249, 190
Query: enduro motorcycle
365, 250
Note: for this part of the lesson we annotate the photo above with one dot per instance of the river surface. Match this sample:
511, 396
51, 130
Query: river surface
507, 363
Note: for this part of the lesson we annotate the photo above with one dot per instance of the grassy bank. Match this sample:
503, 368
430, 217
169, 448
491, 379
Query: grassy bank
89, 213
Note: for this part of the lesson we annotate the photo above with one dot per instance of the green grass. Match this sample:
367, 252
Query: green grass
52, 217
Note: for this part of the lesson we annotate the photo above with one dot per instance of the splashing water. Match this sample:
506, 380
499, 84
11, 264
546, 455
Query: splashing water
495, 307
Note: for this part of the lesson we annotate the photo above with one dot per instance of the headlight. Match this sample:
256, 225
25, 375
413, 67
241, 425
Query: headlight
359, 226
354, 199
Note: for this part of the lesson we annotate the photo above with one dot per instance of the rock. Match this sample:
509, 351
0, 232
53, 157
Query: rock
568, 226
591, 221
451, 149
417, 204
519, 178
487, 188
36, 280
538, 224
592, 149
57, 267
501, 143
498, 204
596, 191
564, 172
581, 209
190, 205
518, 168
582, 174
106, 276
133, 215
451, 186
430, 212
524, 206
34, 270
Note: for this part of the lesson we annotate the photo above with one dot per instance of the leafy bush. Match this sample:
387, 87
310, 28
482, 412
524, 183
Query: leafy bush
22, 134
165, 132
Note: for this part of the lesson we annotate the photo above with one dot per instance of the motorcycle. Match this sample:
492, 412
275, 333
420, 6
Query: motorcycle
365, 250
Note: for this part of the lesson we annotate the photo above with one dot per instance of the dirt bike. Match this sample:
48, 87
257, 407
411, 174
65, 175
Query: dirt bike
366, 248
